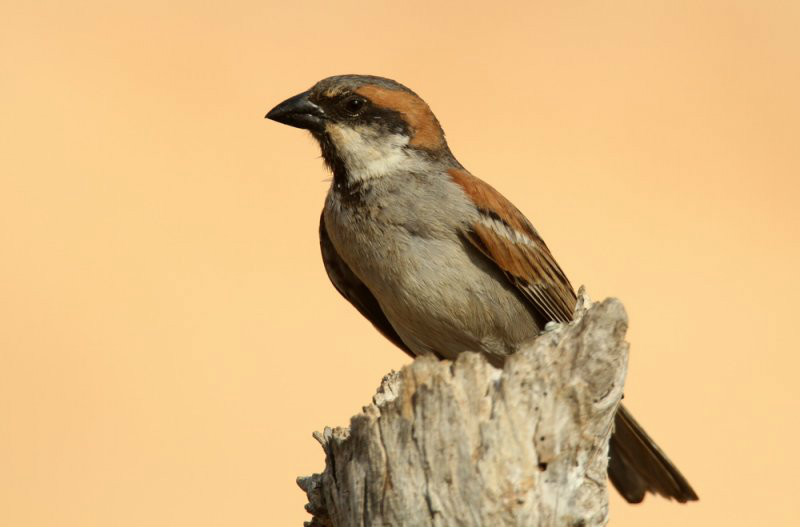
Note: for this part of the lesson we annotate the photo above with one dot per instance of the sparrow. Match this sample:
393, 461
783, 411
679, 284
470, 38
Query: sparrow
438, 260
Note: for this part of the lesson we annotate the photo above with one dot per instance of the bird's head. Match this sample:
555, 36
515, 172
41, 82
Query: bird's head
368, 127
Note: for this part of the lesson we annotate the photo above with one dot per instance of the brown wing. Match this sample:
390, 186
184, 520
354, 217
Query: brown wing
354, 290
637, 465
508, 239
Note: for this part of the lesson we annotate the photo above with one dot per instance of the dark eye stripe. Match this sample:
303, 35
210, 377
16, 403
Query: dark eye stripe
336, 108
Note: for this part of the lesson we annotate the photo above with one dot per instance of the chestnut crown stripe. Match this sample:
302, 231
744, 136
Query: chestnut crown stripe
427, 133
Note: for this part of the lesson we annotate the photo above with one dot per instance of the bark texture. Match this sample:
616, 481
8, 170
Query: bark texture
463, 443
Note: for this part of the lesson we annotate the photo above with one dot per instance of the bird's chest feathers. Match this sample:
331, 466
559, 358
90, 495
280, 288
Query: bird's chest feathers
391, 240
373, 241
436, 290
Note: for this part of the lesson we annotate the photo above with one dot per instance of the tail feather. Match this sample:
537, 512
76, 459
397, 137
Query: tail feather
637, 465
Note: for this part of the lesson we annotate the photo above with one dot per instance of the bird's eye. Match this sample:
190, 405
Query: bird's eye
353, 105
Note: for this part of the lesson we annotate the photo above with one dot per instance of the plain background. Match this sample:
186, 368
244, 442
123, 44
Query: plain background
168, 337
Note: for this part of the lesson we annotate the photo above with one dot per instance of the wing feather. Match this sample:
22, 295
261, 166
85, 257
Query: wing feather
637, 465
509, 240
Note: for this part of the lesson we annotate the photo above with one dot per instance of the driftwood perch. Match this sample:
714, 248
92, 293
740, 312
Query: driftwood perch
463, 443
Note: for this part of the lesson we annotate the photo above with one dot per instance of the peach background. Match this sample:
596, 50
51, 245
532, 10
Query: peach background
169, 339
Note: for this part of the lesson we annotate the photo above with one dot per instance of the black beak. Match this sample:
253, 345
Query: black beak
300, 112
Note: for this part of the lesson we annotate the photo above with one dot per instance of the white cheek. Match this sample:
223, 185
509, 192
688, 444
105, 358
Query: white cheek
368, 155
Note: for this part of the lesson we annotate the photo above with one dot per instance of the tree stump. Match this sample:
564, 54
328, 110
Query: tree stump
464, 443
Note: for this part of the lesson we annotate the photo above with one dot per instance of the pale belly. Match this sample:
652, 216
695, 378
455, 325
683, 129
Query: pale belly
440, 295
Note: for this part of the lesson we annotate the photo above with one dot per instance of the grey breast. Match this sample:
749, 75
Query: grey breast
402, 239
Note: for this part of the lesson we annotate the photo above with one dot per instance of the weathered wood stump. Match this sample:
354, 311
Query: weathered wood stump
464, 443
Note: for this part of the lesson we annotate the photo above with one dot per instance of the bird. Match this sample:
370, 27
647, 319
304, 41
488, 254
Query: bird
436, 259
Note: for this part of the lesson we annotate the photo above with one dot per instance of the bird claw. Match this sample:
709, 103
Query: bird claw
551, 326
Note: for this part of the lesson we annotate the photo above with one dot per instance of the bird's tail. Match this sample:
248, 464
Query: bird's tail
637, 466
